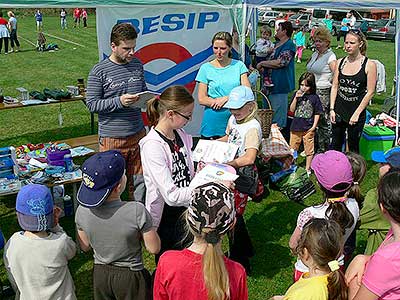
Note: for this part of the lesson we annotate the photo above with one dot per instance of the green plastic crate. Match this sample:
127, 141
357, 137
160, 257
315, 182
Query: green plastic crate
375, 138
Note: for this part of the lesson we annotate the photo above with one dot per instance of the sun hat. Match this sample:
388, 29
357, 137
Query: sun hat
34, 206
100, 174
211, 211
391, 157
332, 168
239, 96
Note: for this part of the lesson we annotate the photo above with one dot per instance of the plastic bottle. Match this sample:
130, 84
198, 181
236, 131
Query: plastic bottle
69, 165
68, 206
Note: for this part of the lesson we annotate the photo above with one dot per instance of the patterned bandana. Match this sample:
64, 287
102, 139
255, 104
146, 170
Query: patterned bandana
211, 211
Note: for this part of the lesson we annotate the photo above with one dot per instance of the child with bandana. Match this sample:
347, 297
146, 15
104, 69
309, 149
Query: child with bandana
201, 271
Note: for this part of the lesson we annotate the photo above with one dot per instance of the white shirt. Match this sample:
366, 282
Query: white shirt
319, 212
319, 66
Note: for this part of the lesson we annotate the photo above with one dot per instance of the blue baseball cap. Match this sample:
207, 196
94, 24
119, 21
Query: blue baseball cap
34, 207
239, 96
391, 157
100, 174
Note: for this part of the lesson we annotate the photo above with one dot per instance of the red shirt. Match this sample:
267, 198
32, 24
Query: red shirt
179, 276
77, 12
3, 21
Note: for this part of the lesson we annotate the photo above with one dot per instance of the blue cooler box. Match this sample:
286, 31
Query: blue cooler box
375, 138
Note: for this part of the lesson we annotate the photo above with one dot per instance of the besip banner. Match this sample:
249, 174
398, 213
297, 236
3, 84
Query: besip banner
172, 43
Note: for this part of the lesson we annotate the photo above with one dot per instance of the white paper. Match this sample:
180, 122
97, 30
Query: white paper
214, 173
143, 98
214, 151
36, 163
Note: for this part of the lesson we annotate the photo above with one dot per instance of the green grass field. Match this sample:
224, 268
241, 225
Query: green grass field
270, 223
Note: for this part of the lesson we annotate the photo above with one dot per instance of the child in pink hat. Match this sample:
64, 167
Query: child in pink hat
335, 177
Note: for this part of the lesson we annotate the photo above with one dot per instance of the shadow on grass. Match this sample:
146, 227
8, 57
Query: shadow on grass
269, 229
45, 136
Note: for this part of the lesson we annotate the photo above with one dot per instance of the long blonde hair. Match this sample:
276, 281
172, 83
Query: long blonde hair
210, 215
216, 277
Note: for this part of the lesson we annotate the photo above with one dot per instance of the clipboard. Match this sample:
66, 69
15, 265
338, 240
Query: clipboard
143, 98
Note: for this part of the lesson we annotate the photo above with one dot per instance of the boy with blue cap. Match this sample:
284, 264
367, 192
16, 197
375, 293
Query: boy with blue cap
371, 217
36, 258
113, 229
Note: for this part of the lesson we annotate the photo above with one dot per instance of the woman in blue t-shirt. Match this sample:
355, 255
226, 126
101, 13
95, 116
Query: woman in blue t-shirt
215, 81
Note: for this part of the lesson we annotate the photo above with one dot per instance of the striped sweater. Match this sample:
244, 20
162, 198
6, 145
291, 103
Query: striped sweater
106, 83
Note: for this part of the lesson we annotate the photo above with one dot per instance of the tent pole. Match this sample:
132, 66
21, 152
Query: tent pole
243, 33
397, 73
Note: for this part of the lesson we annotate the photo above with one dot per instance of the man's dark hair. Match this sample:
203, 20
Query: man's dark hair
123, 32
288, 27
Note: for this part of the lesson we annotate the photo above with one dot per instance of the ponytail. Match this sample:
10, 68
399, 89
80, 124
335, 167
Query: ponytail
152, 112
216, 278
337, 287
338, 212
175, 97
359, 169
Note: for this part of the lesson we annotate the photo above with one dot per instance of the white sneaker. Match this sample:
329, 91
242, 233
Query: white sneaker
303, 154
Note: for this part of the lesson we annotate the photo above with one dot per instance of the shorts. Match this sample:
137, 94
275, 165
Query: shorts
112, 282
308, 139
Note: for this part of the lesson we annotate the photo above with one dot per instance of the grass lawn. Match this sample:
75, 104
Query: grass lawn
270, 223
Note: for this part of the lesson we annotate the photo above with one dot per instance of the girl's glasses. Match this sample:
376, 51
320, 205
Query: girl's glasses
182, 115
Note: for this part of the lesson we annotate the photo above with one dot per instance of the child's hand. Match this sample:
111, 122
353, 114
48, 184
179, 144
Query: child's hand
312, 129
356, 268
56, 214
299, 94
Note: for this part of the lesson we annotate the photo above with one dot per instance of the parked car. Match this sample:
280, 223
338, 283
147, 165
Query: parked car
268, 17
337, 16
383, 29
300, 20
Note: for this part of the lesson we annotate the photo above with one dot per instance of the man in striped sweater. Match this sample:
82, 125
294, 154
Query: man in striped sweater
112, 88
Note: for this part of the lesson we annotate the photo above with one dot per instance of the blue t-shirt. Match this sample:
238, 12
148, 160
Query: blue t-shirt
220, 82
306, 108
38, 17
346, 27
300, 39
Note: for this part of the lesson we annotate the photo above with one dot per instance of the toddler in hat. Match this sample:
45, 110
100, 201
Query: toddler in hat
243, 130
36, 258
201, 271
335, 177
114, 229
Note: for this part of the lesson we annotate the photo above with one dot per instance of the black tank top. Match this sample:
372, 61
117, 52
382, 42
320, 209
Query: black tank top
351, 91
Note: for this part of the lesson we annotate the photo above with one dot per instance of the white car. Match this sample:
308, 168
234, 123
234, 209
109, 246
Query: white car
268, 17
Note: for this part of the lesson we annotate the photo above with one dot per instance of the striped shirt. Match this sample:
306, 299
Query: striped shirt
106, 83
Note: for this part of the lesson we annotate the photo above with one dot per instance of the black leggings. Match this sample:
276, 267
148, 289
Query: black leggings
353, 135
341, 34
5, 44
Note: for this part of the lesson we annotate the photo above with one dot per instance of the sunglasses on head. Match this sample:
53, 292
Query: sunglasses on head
356, 31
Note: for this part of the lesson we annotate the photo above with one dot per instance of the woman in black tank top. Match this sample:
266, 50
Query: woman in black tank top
352, 88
